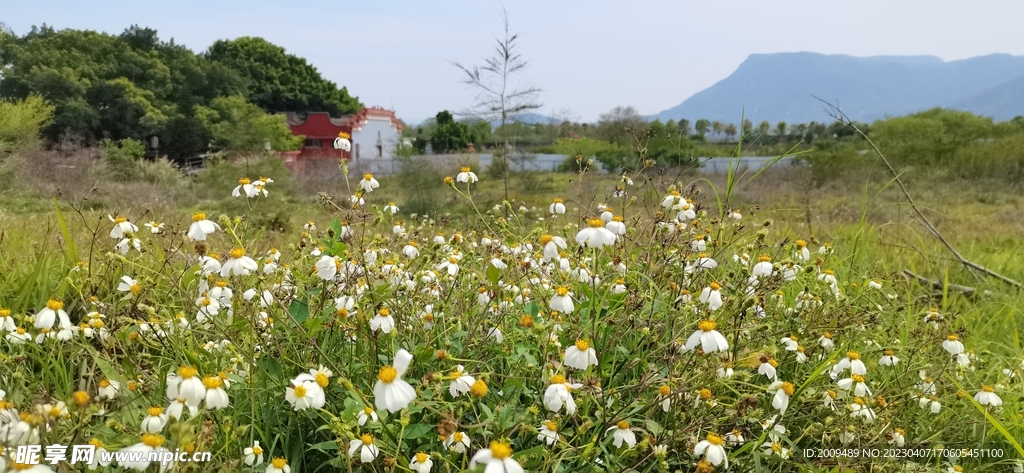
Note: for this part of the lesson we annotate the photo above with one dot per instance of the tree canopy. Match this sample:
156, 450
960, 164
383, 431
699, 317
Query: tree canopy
280, 82
135, 85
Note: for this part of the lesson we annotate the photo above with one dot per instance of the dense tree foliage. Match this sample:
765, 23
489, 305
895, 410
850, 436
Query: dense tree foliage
21, 121
135, 85
449, 136
280, 82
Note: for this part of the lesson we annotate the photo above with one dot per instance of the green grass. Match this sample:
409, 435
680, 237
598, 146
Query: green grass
66, 252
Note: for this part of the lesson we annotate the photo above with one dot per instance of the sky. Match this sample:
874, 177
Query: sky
588, 56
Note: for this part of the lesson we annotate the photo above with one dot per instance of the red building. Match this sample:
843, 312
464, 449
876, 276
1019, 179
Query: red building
375, 134
320, 131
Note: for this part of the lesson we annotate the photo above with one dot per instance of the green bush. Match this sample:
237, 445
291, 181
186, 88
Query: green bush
122, 158
21, 122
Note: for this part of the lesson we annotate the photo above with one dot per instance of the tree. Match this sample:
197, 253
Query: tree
684, 127
748, 127
238, 125
764, 127
449, 136
21, 121
701, 127
280, 82
611, 125
730, 130
498, 98
781, 127
717, 127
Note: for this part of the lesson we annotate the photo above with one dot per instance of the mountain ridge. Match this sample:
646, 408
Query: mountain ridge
779, 87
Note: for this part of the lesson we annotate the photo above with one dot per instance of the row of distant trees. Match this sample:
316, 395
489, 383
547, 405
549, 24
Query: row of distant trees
136, 86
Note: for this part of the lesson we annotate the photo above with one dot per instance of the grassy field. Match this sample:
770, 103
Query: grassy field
60, 249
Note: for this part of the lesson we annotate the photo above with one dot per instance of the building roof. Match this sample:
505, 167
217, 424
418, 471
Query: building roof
294, 119
353, 121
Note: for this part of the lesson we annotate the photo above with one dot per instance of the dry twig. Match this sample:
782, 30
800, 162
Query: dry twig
966, 290
836, 113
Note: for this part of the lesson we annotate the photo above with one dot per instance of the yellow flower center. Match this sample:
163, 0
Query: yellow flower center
300, 391
544, 240
788, 388
988, 389
562, 291
715, 439
558, 200
222, 284
889, 353
582, 345
622, 425
80, 398
187, 372
367, 176
212, 382
421, 457
448, 180
706, 325
558, 379
479, 388
54, 305
457, 437
595, 223
664, 390
829, 272
155, 411
705, 394
858, 400
207, 301
104, 383
857, 378
550, 425
715, 286
384, 312
367, 439
832, 394
152, 440
500, 450
952, 337
764, 258
243, 181
256, 450
322, 380
776, 447
617, 218
801, 243
198, 217
279, 463
465, 168
135, 289
387, 374
119, 220
237, 253
852, 355
5, 313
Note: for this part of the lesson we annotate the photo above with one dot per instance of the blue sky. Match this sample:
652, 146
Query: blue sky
587, 55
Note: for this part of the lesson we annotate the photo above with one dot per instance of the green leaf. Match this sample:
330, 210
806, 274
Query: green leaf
493, 274
415, 431
532, 309
329, 446
299, 311
70, 249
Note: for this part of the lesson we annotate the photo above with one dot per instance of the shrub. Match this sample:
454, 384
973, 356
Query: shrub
122, 158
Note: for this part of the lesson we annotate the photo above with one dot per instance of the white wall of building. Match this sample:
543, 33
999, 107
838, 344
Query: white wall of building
376, 132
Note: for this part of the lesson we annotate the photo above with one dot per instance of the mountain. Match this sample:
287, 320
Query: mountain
778, 87
529, 118
1002, 102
